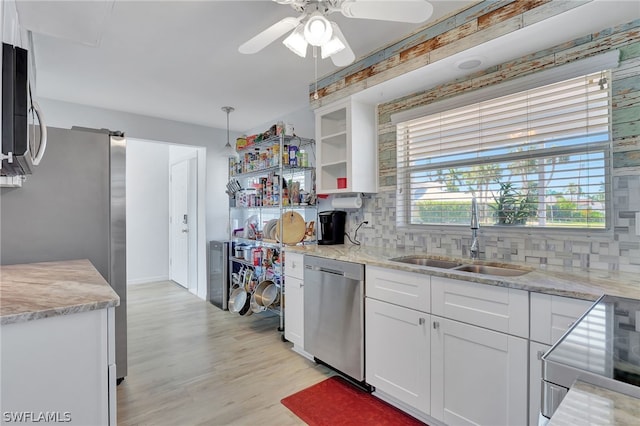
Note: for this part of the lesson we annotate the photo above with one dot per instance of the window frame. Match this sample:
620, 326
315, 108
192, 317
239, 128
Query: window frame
403, 174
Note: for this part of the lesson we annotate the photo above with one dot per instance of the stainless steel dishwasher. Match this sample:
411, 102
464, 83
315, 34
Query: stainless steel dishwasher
334, 314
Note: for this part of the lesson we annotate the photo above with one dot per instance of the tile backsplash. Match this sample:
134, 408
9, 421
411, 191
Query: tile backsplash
617, 249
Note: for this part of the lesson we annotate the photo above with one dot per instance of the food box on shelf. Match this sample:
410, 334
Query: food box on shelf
251, 140
241, 143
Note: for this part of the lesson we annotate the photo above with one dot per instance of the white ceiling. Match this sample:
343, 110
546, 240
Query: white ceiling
178, 59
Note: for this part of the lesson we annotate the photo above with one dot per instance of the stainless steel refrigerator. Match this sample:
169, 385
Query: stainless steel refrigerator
73, 207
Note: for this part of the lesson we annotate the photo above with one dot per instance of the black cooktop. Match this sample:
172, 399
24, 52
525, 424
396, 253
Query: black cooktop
605, 341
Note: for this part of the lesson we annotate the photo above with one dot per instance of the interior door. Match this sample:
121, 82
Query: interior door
179, 223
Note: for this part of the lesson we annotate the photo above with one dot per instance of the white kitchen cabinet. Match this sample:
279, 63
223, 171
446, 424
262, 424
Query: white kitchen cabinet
402, 288
551, 317
294, 301
347, 147
496, 308
447, 349
11, 32
294, 312
478, 376
398, 353
294, 265
62, 365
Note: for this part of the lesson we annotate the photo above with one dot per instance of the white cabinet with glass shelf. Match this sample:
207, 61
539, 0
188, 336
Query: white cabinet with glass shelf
271, 188
347, 148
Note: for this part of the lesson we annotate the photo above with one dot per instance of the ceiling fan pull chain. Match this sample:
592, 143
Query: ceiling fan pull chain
315, 60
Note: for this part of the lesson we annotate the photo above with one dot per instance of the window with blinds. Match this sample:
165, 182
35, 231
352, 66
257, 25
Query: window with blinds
536, 158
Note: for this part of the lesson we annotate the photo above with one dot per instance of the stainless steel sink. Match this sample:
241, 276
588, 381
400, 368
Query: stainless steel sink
492, 270
427, 261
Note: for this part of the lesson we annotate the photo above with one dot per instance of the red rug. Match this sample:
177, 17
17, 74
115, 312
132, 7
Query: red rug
336, 402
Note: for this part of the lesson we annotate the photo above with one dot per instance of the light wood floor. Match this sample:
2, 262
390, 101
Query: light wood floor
191, 363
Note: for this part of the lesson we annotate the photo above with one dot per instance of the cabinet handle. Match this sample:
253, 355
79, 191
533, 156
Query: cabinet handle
421, 321
301, 285
436, 325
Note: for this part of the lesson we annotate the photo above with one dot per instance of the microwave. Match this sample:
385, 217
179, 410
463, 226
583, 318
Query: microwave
23, 143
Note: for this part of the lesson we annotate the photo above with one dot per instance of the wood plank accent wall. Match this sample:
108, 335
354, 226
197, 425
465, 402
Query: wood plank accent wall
471, 27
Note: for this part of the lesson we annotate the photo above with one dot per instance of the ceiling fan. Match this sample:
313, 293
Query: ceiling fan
313, 28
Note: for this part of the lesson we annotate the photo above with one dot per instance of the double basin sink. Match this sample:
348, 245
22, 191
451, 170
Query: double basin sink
476, 268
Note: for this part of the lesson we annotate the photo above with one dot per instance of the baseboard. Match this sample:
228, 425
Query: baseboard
302, 352
148, 280
407, 409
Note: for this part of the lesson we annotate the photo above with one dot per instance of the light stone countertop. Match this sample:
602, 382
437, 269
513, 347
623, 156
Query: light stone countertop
586, 404
587, 284
40, 290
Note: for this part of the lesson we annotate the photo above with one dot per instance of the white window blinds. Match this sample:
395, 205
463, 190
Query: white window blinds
537, 158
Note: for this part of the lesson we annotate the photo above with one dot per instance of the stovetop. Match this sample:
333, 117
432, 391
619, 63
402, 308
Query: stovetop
605, 342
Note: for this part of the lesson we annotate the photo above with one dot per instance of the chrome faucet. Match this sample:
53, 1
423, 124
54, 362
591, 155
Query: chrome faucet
475, 246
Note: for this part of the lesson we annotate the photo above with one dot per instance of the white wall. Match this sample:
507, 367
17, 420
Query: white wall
303, 122
147, 211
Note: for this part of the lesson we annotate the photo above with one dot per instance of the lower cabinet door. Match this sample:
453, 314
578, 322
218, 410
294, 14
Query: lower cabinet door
478, 376
398, 354
294, 311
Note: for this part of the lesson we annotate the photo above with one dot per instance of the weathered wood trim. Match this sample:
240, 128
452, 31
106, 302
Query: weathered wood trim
554, 8
507, 12
626, 159
627, 171
627, 144
475, 25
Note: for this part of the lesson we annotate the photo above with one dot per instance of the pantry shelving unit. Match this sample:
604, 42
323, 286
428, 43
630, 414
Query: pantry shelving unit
262, 172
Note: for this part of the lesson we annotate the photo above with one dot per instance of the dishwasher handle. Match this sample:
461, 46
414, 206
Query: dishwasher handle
324, 269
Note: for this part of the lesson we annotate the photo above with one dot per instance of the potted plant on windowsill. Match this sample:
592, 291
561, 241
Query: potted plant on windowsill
513, 207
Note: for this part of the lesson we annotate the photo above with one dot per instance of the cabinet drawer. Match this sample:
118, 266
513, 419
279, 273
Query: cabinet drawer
497, 308
551, 316
294, 265
402, 288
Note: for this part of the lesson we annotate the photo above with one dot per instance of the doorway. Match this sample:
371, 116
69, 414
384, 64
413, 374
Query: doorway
183, 226
149, 247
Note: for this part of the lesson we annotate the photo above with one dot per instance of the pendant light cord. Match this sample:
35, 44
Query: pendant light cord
228, 110
315, 60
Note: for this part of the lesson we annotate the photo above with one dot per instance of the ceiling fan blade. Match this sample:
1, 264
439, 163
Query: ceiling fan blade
345, 56
268, 36
411, 11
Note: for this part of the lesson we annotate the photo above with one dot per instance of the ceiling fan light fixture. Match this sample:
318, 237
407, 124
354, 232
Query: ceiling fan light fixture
334, 45
296, 41
317, 30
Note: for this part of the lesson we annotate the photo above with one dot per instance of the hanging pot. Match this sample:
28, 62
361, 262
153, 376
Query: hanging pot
237, 300
266, 293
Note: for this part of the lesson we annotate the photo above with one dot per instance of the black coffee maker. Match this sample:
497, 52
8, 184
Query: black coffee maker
332, 227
